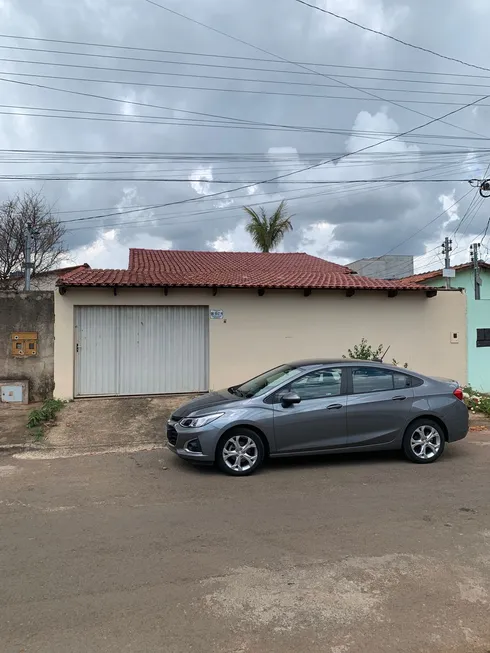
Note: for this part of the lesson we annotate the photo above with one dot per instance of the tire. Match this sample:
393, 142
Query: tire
432, 441
251, 454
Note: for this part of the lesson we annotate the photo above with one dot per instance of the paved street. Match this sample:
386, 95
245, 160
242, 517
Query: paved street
140, 552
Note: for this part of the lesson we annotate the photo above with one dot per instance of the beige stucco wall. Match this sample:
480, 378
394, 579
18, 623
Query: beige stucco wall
260, 332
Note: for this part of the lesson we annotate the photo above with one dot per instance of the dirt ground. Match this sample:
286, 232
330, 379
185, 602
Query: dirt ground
13, 420
340, 554
135, 422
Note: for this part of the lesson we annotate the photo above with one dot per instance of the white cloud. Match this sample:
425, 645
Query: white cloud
234, 240
204, 175
319, 240
107, 251
449, 206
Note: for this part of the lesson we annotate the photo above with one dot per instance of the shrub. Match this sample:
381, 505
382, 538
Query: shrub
366, 352
477, 401
39, 416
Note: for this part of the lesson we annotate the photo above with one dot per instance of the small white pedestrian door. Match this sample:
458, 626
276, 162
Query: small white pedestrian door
139, 350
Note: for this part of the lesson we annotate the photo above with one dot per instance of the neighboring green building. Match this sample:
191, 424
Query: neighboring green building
478, 317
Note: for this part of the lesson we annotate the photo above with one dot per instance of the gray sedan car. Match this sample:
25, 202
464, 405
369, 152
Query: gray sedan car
317, 407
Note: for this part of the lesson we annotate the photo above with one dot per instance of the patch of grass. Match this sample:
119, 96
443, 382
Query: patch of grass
477, 402
40, 416
37, 433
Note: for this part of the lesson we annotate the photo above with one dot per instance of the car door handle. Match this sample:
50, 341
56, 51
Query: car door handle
334, 406
399, 398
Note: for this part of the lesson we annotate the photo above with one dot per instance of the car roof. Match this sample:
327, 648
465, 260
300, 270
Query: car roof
310, 362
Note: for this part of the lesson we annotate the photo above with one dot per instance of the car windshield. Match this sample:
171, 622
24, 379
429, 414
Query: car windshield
265, 382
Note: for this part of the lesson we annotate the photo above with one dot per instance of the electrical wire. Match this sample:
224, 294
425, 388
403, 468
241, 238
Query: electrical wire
438, 216
389, 36
432, 121
342, 83
255, 182
193, 122
255, 79
152, 220
201, 55
316, 165
373, 98
203, 199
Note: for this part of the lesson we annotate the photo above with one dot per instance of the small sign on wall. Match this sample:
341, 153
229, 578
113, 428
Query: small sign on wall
216, 314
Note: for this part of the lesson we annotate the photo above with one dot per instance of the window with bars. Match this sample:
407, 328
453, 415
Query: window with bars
483, 337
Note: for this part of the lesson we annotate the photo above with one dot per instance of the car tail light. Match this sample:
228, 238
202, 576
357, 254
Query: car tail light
458, 393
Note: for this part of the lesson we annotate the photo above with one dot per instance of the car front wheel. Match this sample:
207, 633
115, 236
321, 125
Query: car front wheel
240, 452
423, 441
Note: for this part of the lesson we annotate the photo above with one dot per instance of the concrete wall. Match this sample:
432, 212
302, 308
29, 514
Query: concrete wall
32, 311
258, 333
384, 267
478, 318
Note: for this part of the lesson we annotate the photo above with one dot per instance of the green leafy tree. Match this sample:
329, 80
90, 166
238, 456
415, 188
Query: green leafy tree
268, 232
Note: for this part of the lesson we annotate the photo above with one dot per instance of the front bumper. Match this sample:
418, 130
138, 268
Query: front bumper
178, 439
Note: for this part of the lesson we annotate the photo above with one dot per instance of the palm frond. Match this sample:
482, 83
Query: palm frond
267, 233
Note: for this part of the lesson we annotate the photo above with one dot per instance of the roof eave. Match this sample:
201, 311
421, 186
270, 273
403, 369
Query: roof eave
122, 284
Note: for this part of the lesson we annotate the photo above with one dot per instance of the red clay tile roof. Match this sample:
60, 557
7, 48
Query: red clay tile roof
433, 274
160, 268
61, 271
188, 262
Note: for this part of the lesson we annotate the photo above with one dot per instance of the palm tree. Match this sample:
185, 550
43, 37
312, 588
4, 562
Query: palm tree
266, 232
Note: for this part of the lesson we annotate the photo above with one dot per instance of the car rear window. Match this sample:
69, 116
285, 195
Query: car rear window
377, 379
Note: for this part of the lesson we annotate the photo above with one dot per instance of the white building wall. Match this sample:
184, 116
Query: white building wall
257, 333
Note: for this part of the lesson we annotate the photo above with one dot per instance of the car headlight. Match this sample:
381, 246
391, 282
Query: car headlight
198, 422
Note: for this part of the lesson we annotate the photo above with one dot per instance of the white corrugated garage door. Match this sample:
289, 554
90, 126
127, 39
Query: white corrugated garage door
139, 350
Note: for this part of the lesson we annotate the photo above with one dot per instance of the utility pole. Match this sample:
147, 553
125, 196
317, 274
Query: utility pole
475, 258
27, 269
447, 248
31, 234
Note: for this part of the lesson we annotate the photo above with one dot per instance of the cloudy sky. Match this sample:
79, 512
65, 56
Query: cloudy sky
196, 106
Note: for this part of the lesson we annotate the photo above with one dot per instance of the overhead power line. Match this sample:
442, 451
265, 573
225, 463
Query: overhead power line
285, 175
331, 191
391, 37
204, 180
202, 55
99, 116
288, 82
375, 98
273, 54
423, 228
246, 196
119, 101
347, 98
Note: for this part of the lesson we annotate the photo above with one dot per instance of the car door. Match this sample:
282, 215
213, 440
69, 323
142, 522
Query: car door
319, 421
379, 403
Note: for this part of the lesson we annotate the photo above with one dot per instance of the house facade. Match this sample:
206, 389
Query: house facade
178, 322
478, 317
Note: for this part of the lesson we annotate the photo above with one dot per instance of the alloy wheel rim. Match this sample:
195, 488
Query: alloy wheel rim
240, 453
425, 442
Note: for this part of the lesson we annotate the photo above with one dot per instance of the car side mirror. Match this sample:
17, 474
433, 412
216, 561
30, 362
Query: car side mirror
289, 399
